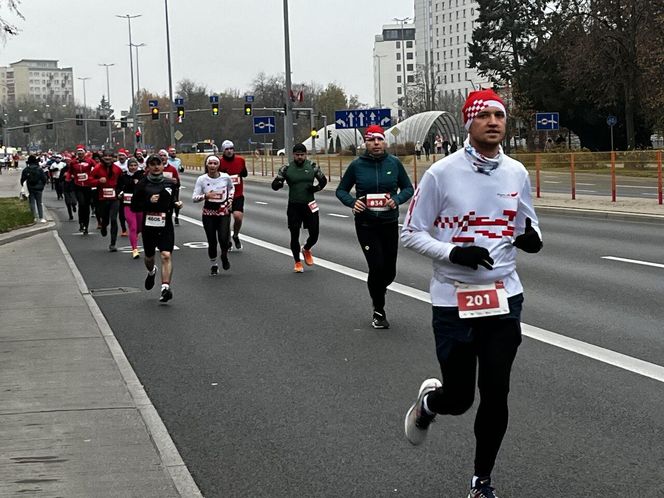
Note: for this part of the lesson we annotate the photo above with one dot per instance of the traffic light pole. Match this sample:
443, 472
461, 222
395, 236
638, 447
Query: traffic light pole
288, 115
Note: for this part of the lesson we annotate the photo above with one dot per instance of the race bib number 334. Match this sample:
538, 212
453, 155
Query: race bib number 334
476, 301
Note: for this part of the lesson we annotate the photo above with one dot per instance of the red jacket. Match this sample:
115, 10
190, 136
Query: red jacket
106, 191
236, 169
81, 171
172, 172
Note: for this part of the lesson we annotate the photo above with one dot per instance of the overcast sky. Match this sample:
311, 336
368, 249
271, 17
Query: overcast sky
220, 43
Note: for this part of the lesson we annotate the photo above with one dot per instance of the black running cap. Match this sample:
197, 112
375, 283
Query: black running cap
299, 148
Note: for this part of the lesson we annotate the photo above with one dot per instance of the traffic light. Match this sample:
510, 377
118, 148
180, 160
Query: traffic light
79, 119
102, 121
215, 109
329, 134
49, 124
155, 113
123, 122
181, 112
248, 111
26, 128
314, 133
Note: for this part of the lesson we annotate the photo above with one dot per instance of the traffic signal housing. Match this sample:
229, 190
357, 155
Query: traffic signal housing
26, 128
181, 112
49, 124
79, 119
329, 134
215, 109
155, 113
123, 122
248, 110
102, 121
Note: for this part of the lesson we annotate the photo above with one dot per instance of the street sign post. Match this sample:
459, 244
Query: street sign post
214, 99
361, 118
153, 103
264, 124
546, 121
179, 101
611, 121
249, 99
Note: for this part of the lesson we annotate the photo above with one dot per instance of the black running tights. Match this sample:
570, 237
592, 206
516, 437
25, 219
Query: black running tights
217, 228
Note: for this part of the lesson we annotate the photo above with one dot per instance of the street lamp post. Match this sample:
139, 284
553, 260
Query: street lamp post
108, 100
85, 111
131, 70
138, 76
171, 127
401, 21
288, 118
380, 99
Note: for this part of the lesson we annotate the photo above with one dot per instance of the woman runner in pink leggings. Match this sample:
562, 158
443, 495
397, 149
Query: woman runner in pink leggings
126, 186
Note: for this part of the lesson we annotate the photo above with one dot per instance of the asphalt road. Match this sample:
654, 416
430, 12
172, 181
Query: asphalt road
274, 384
594, 184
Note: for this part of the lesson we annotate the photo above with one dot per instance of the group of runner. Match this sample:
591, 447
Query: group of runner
470, 213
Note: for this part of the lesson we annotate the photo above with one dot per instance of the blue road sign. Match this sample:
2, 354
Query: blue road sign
153, 103
264, 124
361, 118
179, 101
547, 121
611, 120
214, 99
249, 99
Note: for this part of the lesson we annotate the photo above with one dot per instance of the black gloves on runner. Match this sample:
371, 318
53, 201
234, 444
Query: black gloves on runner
529, 241
471, 256
277, 183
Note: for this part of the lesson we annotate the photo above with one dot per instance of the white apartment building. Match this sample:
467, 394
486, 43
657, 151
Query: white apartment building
40, 80
394, 57
444, 29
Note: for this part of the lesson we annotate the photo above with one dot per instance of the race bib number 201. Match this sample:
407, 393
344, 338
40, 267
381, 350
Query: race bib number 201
476, 301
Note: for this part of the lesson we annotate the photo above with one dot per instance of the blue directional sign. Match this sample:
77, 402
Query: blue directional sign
214, 99
179, 101
547, 121
264, 124
153, 103
361, 118
249, 99
611, 120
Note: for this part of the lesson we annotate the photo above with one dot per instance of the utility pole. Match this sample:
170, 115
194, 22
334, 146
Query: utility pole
171, 125
288, 117
131, 71
108, 99
138, 67
85, 111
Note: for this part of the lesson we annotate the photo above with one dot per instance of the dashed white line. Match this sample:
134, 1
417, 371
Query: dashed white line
586, 184
262, 203
337, 215
550, 181
634, 261
635, 186
607, 356
586, 191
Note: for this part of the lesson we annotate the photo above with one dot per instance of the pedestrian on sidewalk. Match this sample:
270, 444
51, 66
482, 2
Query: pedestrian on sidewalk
35, 179
381, 186
302, 207
471, 212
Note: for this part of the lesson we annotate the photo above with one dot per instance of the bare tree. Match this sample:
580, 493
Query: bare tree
6, 26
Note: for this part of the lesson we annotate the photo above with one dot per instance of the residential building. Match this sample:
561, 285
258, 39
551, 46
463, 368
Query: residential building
40, 80
394, 56
444, 31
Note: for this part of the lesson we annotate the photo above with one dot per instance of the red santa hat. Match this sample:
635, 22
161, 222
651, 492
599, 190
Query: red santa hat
478, 101
123, 151
80, 147
374, 131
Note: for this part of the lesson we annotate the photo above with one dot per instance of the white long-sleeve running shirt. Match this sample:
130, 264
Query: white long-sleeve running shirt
455, 205
222, 186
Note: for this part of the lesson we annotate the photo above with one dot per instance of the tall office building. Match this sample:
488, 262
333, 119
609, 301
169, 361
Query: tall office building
444, 29
39, 80
394, 56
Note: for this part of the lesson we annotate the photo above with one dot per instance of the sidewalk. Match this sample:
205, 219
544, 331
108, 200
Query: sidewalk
74, 419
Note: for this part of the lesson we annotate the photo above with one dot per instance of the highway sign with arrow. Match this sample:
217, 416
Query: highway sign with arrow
264, 124
361, 118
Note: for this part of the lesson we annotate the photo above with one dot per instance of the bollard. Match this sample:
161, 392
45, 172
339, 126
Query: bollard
272, 164
572, 174
613, 177
415, 171
659, 176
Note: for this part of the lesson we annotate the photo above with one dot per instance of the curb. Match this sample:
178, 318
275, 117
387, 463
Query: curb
600, 213
24, 233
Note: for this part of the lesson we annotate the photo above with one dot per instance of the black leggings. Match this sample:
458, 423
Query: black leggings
217, 228
108, 213
492, 344
299, 215
380, 244
84, 198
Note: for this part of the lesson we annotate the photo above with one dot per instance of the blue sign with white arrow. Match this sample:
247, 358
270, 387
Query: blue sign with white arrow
179, 101
361, 118
214, 99
546, 121
264, 124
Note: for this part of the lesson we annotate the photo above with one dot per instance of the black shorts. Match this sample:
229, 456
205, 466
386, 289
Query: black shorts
238, 204
300, 215
162, 238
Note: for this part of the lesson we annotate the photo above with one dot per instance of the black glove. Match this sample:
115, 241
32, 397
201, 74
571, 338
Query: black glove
471, 256
277, 183
312, 188
529, 241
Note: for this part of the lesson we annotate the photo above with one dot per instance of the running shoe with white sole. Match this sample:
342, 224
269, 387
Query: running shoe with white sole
417, 421
166, 295
482, 489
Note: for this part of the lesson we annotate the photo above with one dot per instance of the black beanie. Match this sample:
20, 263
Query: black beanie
299, 148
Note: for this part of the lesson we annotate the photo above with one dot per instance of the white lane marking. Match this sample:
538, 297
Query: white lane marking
550, 181
337, 215
586, 191
589, 350
634, 261
586, 184
260, 202
635, 186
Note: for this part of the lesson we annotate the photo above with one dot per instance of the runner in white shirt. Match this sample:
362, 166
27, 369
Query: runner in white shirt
216, 191
470, 213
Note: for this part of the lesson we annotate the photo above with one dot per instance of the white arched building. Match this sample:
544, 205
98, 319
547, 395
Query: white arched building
426, 125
